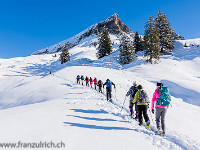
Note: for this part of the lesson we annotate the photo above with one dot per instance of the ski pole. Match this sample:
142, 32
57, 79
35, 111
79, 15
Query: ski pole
123, 104
150, 114
115, 93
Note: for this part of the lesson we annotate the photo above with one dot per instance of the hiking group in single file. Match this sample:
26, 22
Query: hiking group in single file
139, 101
99, 83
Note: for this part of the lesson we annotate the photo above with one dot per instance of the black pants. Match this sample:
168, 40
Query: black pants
142, 109
78, 81
108, 91
131, 107
87, 83
82, 81
100, 88
95, 86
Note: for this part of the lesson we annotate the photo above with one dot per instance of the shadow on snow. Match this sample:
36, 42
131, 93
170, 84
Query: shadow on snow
95, 126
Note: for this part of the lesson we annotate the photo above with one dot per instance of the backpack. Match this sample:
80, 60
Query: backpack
87, 79
164, 97
134, 90
143, 98
100, 83
95, 80
82, 77
109, 84
78, 77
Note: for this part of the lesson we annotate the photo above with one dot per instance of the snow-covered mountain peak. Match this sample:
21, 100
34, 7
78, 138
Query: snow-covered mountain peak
113, 23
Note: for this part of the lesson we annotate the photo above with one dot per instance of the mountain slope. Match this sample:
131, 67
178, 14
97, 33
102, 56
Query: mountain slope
113, 23
61, 110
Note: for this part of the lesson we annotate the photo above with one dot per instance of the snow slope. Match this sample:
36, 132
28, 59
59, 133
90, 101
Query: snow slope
52, 107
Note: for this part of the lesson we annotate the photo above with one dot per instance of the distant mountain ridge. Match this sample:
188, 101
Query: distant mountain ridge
113, 23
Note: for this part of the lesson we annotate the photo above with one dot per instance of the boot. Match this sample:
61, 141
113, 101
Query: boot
148, 124
158, 132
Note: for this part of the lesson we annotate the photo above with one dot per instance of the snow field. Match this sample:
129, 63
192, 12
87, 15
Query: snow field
61, 110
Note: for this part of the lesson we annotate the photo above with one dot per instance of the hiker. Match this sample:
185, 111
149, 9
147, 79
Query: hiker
108, 84
142, 100
91, 82
162, 98
100, 84
78, 79
132, 91
87, 81
82, 79
95, 82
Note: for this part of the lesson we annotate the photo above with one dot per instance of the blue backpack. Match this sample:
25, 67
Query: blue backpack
164, 97
108, 84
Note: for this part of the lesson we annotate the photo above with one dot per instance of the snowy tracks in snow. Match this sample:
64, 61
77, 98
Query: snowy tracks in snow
89, 110
172, 140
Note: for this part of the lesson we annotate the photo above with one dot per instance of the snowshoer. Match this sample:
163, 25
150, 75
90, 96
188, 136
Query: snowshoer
91, 82
142, 100
100, 84
78, 79
82, 79
95, 82
108, 84
132, 91
162, 98
87, 81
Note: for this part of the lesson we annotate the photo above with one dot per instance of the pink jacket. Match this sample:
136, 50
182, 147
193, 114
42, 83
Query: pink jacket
94, 81
155, 97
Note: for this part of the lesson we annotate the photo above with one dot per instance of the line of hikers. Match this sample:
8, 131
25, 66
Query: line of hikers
99, 83
139, 98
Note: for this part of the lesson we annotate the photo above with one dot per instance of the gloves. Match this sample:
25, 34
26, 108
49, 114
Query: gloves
152, 111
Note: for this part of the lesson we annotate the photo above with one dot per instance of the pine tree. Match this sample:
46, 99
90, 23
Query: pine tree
138, 43
64, 56
127, 50
166, 38
105, 47
151, 41
185, 45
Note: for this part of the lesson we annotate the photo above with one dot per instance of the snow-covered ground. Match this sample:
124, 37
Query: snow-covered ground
39, 106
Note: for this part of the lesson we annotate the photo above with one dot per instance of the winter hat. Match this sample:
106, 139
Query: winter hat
159, 84
139, 87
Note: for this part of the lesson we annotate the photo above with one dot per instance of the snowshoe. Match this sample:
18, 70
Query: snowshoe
148, 125
162, 134
131, 116
159, 132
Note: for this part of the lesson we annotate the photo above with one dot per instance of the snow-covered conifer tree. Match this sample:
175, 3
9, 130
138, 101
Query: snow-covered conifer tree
64, 56
166, 38
151, 41
138, 43
127, 49
105, 47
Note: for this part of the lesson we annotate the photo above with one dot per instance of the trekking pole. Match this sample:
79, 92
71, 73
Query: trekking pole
115, 94
150, 114
123, 104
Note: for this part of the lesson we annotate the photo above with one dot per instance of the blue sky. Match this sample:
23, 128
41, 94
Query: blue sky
29, 25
